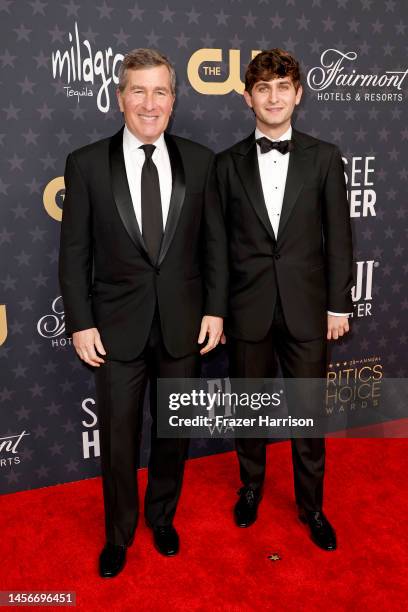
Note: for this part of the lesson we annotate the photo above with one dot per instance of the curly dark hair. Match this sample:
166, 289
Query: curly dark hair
272, 64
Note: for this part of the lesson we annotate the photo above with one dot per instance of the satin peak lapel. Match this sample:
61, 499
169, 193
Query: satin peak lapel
294, 181
121, 192
177, 195
246, 163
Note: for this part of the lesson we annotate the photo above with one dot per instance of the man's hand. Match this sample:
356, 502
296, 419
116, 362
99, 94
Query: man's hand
85, 343
336, 327
213, 327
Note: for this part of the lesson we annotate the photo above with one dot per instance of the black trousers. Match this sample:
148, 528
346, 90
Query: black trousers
120, 389
297, 360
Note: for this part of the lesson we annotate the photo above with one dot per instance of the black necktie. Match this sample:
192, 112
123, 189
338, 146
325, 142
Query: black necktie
283, 146
152, 217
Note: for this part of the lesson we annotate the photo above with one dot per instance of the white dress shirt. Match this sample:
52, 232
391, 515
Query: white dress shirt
273, 169
134, 160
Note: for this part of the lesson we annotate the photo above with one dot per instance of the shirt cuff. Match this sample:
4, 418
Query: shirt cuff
339, 314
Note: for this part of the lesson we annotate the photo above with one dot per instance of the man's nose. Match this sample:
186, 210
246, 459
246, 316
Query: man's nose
148, 101
273, 95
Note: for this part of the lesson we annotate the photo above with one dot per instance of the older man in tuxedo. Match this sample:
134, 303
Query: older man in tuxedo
284, 196
143, 274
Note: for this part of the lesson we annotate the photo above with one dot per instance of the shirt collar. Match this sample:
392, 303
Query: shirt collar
132, 142
286, 136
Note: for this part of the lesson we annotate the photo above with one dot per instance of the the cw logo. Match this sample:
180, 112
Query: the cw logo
3, 324
232, 83
51, 192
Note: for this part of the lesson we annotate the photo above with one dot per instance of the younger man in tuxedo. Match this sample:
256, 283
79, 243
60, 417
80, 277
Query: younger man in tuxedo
290, 247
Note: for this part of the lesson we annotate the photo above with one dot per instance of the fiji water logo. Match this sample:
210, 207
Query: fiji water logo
80, 63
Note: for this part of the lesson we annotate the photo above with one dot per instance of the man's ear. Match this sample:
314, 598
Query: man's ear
119, 98
248, 98
299, 94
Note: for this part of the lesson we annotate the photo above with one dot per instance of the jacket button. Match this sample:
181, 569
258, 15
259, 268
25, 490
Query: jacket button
157, 271
277, 255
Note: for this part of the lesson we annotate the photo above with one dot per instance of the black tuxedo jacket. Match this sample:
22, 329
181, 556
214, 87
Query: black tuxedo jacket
309, 262
107, 278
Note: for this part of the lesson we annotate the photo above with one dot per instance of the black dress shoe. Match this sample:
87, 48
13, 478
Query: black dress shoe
166, 540
246, 508
112, 560
321, 531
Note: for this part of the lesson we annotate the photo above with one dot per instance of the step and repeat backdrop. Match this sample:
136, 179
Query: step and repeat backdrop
59, 63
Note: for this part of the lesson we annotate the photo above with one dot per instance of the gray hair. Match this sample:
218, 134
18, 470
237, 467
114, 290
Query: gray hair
138, 59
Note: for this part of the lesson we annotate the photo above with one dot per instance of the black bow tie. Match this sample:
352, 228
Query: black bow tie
283, 146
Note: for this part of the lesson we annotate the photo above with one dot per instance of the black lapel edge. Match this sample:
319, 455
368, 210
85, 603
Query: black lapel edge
121, 191
177, 195
246, 164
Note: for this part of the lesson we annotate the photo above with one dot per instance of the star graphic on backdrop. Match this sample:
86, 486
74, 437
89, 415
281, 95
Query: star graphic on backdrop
27, 86
225, 112
72, 466
208, 41
63, 137
167, 15
23, 259
11, 112
42, 472
5, 5
90, 35
400, 28
16, 163
193, 16
136, 12
3, 187
328, 24
69, 426
23, 33
26, 304
72, 9
104, 11
250, 20
38, 7
236, 42
39, 431
56, 34
95, 135
303, 23
277, 21
20, 371
40, 280
56, 449
152, 39
45, 111
78, 112
263, 43
182, 40
222, 18
7, 59
122, 38
48, 161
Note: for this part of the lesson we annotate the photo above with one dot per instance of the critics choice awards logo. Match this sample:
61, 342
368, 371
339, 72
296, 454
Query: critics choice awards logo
354, 385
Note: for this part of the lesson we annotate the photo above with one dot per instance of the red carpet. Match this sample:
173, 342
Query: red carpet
51, 538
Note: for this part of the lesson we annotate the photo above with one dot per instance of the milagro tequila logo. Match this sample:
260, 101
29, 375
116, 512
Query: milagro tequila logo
332, 72
81, 64
52, 325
